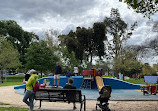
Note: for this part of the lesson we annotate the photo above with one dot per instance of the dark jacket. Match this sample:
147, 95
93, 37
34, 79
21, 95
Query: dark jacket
58, 69
67, 86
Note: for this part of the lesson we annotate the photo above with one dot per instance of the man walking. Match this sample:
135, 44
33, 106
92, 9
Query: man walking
29, 89
58, 71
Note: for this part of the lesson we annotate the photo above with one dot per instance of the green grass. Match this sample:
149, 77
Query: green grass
7, 108
136, 81
13, 109
15, 78
10, 83
3, 103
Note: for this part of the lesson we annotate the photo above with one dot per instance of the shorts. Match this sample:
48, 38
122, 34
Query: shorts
57, 76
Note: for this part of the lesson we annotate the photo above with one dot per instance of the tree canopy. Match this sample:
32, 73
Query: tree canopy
120, 32
147, 7
40, 57
88, 42
9, 57
19, 38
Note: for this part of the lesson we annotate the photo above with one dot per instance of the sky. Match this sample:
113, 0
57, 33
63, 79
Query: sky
65, 15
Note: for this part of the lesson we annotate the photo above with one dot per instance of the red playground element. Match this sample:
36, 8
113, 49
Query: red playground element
88, 79
97, 72
151, 89
42, 86
87, 72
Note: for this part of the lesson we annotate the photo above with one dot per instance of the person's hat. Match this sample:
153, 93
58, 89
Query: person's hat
31, 71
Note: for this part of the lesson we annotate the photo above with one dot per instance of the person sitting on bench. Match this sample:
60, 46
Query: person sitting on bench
70, 86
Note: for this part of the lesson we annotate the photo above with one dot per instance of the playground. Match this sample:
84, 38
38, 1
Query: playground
15, 99
121, 90
124, 94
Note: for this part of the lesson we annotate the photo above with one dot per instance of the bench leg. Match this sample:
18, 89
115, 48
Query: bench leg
85, 105
40, 104
81, 106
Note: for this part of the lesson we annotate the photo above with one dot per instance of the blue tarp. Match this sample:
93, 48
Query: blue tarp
150, 79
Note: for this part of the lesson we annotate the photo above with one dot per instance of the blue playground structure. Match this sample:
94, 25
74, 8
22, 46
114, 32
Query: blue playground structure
78, 82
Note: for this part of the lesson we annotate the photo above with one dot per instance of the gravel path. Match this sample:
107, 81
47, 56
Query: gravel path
9, 96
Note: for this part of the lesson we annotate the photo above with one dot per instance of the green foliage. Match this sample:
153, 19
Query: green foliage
116, 27
19, 38
147, 7
147, 69
127, 64
50, 36
69, 58
155, 67
86, 42
99, 38
41, 57
9, 57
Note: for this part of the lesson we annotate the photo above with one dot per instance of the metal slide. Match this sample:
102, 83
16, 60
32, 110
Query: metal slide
99, 82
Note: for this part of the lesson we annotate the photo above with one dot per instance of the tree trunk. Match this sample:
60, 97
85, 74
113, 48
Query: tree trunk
1, 76
90, 64
41, 74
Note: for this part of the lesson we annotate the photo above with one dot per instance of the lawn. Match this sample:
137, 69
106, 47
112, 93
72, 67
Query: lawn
136, 81
3, 103
8, 108
13, 109
10, 83
15, 78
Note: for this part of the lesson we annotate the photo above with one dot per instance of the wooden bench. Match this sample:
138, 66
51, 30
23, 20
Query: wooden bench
61, 95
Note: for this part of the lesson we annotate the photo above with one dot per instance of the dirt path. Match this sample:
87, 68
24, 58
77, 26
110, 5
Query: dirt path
9, 96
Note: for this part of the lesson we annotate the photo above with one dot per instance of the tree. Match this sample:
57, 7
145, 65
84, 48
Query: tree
9, 57
69, 58
41, 57
147, 7
146, 49
105, 66
19, 38
120, 32
147, 69
155, 67
128, 64
51, 39
88, 42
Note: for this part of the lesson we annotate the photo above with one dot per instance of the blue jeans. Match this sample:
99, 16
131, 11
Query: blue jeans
29, 95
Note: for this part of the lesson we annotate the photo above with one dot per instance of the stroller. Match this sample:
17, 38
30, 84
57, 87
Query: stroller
102, 100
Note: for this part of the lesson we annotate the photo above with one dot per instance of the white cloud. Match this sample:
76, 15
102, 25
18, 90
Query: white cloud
66, 15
